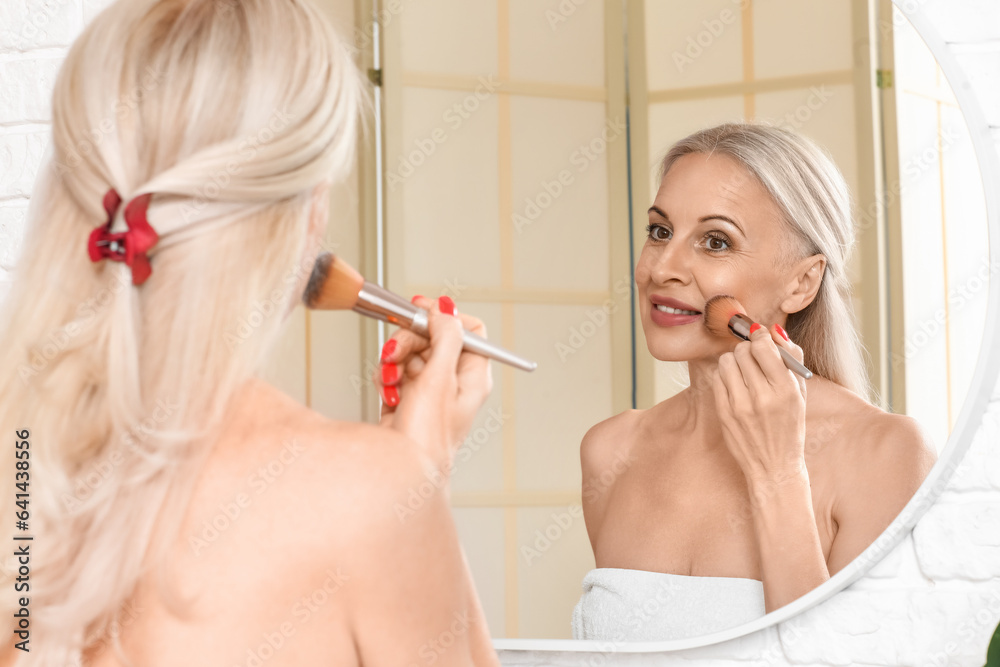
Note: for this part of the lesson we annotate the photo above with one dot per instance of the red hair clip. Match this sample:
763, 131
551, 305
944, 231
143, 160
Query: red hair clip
131, 246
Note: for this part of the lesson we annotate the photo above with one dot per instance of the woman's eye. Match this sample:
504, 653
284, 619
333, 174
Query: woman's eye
717, 244
658, 232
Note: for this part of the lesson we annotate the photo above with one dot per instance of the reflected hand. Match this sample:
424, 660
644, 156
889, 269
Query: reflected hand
432, 389
762, 407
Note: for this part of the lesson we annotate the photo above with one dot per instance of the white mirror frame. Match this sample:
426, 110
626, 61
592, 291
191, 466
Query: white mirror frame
969, 419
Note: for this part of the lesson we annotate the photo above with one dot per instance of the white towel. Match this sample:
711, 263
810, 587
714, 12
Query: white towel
635, 605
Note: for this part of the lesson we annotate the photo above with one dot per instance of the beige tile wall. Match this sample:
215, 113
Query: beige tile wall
498, 144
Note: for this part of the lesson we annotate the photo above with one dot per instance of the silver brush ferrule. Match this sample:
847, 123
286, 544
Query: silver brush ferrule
740, 325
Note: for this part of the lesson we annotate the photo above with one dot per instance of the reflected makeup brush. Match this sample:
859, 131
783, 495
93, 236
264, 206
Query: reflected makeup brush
336, 285
724, 315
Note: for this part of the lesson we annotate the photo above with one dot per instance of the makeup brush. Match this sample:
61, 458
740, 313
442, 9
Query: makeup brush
336, 285
724, 315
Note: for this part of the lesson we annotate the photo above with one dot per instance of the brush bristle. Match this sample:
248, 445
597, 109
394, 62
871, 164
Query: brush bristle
333, 285
718, 311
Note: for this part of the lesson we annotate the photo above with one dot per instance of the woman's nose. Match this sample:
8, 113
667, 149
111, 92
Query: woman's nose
673, 262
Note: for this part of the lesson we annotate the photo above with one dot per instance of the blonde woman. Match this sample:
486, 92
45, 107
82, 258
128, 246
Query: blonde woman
750, 487
179, 509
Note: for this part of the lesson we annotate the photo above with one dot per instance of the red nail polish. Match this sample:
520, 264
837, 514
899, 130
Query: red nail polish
754, 328
390, 374
415, 297
390, 396
446, 305
781, 331
388, 349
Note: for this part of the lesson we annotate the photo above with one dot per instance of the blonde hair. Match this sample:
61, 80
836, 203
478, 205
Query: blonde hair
230, 113
819, 214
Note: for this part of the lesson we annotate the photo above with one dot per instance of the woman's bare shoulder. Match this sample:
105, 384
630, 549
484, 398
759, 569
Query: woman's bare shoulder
272, 411
866, 433
876, 461
609, 439
892, 451
328, 475
870, 461
612, 426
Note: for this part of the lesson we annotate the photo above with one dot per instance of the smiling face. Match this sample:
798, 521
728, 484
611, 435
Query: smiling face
713, 229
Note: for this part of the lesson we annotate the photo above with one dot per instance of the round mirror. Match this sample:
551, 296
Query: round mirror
518, 149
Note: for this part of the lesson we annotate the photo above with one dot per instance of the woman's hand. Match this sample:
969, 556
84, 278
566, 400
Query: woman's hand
431, 389
762, 408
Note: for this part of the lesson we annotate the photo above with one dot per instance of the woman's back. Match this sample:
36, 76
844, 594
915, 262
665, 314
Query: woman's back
145, 252
235, 526
292, 552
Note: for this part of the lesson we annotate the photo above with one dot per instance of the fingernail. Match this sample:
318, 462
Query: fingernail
390, 374
781, 331
388, 349
415, 297
755, 327
390, 396
446, 305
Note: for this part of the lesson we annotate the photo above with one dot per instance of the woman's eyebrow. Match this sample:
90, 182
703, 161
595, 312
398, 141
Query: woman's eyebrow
726, 218
705, 218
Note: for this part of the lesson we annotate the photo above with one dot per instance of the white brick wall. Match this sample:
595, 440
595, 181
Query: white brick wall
34, 36
933, 601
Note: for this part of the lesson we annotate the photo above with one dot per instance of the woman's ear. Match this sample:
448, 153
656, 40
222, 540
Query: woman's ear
805, 277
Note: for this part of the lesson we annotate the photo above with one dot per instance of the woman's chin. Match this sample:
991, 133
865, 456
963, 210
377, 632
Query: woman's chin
662, 352
684, 343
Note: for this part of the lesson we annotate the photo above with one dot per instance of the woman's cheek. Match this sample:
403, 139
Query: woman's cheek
641, 272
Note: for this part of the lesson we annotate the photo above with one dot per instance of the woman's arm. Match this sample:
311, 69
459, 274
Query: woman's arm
431, 392
761, 407
412, 599
481, 647
604, 455
791, 555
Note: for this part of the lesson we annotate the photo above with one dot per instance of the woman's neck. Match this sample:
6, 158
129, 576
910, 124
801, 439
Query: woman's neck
701, 418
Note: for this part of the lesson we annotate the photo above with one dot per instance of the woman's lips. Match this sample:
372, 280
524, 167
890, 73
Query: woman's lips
669, 319
663, 319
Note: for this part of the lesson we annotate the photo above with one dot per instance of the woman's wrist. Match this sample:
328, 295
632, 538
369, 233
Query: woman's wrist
766, 483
